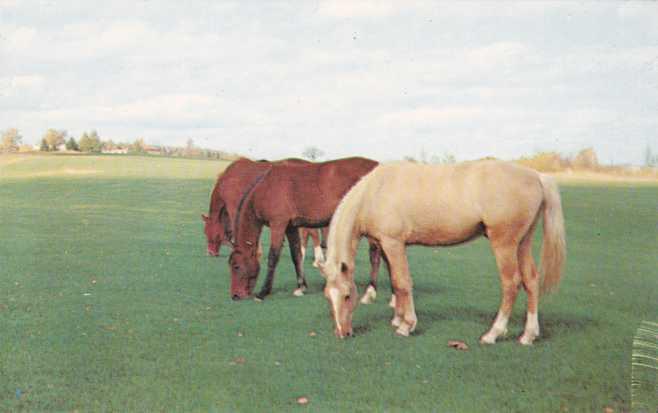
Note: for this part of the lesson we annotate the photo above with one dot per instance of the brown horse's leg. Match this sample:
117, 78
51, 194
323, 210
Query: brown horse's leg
404, 314
318, 255
510, 278
292, 234
375, 260
303, 239
531, 286
325, 235
276, 241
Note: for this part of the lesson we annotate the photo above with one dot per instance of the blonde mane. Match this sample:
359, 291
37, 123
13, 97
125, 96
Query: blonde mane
344, 232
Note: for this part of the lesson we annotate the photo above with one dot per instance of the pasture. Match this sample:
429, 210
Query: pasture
108, 302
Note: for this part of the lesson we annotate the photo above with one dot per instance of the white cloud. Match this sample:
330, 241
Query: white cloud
356, 9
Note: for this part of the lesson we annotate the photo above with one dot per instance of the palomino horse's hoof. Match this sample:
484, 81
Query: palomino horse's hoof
395, 322
403, 330
526, 341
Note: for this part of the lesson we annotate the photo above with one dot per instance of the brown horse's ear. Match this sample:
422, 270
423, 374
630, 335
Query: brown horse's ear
343, 268
205, 217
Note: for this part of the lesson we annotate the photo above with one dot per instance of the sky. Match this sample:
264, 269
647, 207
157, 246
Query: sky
382, 79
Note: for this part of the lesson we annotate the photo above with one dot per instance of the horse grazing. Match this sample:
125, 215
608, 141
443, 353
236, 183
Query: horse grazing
229, 189
284, 198
402, 204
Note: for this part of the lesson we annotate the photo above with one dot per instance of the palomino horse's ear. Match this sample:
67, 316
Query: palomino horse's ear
343, 268
204, 217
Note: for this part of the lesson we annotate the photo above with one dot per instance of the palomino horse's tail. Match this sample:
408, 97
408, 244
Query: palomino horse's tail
553, 250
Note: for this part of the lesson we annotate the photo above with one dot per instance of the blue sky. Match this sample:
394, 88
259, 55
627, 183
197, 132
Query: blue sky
383, 79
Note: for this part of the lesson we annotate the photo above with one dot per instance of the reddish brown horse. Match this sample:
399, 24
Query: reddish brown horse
285, 197
226, 195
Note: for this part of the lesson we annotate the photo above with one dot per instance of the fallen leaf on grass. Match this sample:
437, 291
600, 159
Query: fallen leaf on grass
459, 345
302, 400
238, 361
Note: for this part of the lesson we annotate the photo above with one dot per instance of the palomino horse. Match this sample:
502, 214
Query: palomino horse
402, 204
284, 198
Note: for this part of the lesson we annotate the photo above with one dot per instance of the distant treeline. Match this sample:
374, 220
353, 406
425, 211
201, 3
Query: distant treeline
55, 140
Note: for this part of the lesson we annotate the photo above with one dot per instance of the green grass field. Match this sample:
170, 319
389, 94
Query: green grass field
109, 303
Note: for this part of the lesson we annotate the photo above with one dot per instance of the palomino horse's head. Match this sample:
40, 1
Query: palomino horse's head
341, 292
245, 267
214, 233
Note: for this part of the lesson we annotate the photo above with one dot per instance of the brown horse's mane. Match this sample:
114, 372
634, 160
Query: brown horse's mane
243, 200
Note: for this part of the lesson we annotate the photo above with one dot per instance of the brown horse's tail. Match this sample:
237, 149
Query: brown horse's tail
553, 250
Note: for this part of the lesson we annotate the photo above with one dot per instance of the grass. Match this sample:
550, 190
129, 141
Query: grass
108, 303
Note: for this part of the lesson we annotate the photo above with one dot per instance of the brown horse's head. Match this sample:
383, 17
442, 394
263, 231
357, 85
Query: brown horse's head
215, 232
245, 267
341, 292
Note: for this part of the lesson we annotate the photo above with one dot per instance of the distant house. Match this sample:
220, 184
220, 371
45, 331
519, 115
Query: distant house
115, 150
153, 149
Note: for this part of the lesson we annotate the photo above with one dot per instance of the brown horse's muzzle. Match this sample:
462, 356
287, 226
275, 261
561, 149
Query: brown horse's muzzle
213, 251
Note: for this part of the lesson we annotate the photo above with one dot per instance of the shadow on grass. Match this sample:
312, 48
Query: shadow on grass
550, 323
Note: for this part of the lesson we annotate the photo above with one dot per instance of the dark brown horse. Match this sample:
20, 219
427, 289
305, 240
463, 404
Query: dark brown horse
285, 197
229, 189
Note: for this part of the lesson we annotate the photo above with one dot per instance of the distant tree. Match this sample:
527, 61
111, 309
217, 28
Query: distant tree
90, 142
410, 159
44, 145
55, 138
443, 160
650, 159
72, 145
313, 153
11, 140
138, 146
586, 159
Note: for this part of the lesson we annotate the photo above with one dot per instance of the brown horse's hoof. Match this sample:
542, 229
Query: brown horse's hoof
299, 292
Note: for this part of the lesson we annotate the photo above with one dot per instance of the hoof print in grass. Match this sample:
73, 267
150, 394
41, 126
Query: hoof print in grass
458, 345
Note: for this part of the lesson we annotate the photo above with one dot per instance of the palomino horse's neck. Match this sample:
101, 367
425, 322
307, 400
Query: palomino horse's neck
344, 231
247, 227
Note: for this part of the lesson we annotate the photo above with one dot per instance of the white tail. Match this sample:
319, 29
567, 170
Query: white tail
553, 250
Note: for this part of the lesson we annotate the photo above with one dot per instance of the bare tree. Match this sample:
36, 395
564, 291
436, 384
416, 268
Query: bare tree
312, 153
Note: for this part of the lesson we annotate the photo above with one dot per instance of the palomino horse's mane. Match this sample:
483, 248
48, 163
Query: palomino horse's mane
243, 200
343, 222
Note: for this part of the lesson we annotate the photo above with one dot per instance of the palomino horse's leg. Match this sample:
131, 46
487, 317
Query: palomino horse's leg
292, 234
375, 260
510, 278
276, 240
404, 314
318, 255
531, 286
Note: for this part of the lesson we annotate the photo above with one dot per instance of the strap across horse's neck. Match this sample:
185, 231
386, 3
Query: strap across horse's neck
243, 201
